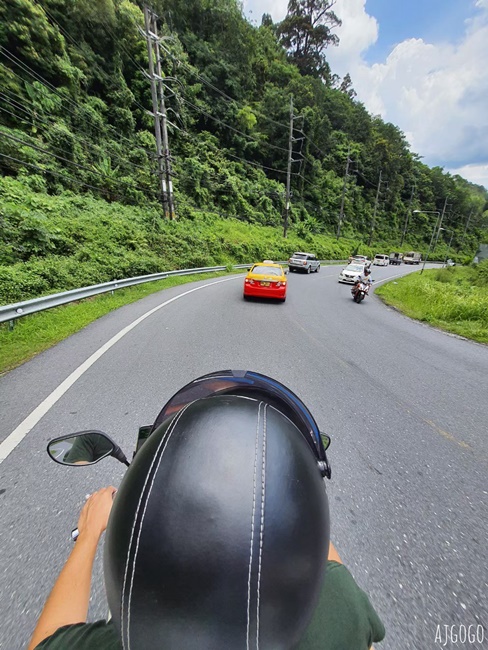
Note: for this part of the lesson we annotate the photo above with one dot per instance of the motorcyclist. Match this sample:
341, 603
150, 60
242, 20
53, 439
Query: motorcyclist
218, 538
363, 278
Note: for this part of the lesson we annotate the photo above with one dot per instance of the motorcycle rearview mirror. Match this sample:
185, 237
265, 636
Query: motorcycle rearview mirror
84, 448
325, 440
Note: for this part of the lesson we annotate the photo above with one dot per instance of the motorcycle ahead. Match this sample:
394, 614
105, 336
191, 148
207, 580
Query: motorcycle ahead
360, 291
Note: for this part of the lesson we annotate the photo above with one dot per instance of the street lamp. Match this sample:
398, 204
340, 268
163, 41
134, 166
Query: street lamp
433, 232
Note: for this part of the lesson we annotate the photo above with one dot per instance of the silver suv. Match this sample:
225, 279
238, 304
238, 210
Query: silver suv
305, 262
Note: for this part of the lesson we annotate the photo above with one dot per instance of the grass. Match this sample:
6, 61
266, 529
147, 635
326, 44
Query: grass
38, 332
452, 299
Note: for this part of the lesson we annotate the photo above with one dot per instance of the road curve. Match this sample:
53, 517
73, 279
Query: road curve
404, 404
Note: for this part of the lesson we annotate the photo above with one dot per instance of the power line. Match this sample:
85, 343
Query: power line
271, 169
231, 128
67, 35
185, 132
66, 160
312, 142
69, 178
16, 105
187, 101
220, 92
356, 171
305, 179
40, 79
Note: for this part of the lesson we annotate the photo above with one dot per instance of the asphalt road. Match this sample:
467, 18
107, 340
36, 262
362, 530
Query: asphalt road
406, 407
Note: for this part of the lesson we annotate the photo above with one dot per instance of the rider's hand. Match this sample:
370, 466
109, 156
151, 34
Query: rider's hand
94, 515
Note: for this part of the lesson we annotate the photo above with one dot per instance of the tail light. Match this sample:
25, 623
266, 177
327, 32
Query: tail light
249, 281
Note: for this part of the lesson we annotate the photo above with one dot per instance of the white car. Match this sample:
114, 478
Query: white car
350, 273
381, 260
360, 259
305, 262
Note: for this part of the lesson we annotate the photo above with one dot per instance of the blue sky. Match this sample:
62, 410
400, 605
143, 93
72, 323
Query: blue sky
432, 20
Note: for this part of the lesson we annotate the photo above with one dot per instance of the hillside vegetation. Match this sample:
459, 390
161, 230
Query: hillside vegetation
69, 241
79, 198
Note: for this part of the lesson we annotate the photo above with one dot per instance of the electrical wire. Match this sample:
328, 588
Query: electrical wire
40, 79
233, 101
272, 169
356, 171
231, 128
217, 90
69, 178
67, 35
306, 180
56, 147
69, 162
16, 105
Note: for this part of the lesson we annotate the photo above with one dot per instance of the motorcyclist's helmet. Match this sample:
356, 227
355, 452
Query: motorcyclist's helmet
219, 534
367, 270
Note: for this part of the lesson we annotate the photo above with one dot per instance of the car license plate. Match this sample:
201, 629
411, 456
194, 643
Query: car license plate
265, 284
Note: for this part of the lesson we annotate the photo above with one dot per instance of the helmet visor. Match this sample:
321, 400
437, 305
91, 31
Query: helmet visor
253, 384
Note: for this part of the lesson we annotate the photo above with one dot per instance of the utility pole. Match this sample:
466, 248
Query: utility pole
159, 112
157, 124
344, 185
164, 125
407, 217
288, 172
373, 222
466, 227
440, 224
448, 248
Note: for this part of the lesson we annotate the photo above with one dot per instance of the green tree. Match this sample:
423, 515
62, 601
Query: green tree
306, 32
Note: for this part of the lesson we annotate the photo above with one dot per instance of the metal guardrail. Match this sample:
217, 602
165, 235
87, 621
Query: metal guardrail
26, 307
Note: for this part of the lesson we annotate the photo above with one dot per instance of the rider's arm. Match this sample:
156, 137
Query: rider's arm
68, 601
333, 554
334, 557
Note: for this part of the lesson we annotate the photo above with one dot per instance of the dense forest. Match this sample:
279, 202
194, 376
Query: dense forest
76, 123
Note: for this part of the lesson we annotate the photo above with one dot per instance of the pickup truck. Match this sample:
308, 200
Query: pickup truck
396, 258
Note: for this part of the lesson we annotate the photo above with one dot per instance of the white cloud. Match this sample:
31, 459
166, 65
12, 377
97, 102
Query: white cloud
357, 33
437, 93
254, 9
477, 174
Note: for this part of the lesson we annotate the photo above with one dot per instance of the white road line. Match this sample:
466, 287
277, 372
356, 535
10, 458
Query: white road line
18, 434
398, 275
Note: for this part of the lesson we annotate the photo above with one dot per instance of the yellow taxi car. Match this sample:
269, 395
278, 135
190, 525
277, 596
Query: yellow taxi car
266, 280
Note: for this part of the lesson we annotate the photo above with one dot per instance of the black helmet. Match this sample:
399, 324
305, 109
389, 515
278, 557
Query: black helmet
219, 534
367, 270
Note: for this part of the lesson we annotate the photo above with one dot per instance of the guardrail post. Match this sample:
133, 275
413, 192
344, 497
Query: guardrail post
11, 325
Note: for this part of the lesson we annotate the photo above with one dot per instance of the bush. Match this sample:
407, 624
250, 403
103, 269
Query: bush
481, 274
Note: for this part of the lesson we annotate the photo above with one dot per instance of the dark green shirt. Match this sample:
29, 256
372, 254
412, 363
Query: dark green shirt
343, 620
